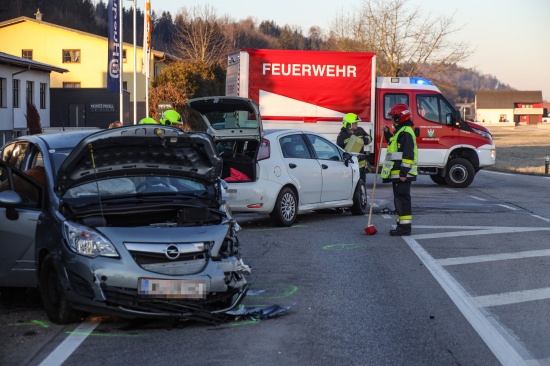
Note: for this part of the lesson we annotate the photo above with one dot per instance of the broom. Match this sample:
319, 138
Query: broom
370, 229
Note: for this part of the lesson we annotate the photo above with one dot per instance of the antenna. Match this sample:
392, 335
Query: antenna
96, 182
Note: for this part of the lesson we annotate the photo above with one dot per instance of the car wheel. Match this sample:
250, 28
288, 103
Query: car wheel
286, 207
436, 178
460, 173
359, 199
55, 304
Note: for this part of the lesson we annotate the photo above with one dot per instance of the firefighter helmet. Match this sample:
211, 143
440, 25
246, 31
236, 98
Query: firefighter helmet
400, 113
349, 119
147, 121
170, 117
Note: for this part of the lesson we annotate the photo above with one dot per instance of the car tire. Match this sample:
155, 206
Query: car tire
360, 202
460, 173
55, 304
286, 208
438, 179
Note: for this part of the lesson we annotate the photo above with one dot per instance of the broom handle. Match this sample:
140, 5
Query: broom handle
375, 176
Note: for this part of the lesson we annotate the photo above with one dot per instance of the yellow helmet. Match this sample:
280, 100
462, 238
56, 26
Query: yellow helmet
349, 119
170, 117
147, 121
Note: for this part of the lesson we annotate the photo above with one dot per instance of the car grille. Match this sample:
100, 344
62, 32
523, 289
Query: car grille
170, 259
208, 310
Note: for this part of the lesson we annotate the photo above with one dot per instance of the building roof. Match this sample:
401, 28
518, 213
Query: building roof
491, 99
11, 60
7, 23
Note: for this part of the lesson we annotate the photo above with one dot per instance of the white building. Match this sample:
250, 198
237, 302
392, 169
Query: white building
23, 80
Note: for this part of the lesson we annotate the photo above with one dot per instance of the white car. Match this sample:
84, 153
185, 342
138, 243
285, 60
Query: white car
278, 172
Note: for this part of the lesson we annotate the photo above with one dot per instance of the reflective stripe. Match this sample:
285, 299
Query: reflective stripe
394, 156
407, 219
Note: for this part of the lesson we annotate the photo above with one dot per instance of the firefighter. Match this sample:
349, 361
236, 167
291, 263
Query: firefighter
400, 165
349, 128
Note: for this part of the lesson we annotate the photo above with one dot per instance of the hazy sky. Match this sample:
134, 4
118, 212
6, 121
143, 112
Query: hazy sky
511, 38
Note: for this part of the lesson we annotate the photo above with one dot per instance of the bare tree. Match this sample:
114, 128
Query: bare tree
407, 41
199, 35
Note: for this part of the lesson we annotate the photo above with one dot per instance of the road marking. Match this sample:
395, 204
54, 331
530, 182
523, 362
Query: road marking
542, 218
70, 344
478, 198
451, 190
493, 257
508, 298
476, 231
503, 345
509, 207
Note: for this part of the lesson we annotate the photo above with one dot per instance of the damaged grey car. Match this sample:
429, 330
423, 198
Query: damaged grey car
128, 222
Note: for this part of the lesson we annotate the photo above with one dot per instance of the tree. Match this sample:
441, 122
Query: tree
185, 80
407, 41
33, 119
199, 35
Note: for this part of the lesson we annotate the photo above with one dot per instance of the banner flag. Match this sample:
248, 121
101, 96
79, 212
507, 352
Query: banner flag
115, 53
148, 28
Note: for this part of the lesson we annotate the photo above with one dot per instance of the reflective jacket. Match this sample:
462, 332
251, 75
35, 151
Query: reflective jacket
401, 155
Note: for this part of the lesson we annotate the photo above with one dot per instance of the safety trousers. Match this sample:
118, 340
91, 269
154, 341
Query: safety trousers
402, 202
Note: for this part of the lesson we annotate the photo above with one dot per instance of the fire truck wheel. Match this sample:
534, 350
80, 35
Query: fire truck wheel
460, 173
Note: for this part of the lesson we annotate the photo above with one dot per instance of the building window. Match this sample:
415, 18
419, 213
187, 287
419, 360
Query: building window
26, 54
3, 92
71, 56
15, 93
29, 92
42, 95
124, 55
71, 84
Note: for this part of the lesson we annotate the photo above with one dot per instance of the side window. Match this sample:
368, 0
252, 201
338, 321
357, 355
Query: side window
433, 108
31, 192
391, 99
14, 154
324, 150
294, 146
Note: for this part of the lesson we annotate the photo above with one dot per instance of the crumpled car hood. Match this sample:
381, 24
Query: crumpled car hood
142, 149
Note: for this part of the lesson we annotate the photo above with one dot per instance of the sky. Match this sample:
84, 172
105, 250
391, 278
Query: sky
511, 38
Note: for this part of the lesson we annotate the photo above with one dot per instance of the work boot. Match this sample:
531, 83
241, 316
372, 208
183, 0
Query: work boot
401, 230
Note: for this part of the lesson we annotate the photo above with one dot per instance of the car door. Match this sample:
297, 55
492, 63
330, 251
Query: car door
302, 167
22, 171
337, 178
17, 228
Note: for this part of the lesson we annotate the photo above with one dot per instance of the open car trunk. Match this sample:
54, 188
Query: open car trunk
239, 160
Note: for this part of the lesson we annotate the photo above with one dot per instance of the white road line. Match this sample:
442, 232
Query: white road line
493, 257
512, 297
386, 216
69, 345
509, 207
542, 218
480, 231
451, 190
478, 198
503, 345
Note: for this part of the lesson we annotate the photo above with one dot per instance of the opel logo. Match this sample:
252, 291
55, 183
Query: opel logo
172, 252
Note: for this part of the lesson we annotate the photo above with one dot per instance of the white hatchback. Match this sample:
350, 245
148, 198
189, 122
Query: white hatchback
278, 172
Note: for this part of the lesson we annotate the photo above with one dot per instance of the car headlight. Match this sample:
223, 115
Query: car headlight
87, 242
485, 134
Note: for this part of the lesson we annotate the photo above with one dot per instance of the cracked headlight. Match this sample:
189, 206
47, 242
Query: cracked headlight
85, 241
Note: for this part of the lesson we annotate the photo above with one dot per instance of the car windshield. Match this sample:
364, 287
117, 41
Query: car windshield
58, 156
234, 119
122, 186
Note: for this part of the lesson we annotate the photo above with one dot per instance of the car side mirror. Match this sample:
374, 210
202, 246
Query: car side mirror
10, 199
347, 158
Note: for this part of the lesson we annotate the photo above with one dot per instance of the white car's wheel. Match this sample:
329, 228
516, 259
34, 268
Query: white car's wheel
359, 199
286, 207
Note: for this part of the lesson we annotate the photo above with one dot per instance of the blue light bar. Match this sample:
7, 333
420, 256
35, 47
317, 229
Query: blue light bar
420, 81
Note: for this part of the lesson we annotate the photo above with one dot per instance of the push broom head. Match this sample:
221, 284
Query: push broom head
370, 230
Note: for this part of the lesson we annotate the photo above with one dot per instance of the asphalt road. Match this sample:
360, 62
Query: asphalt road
470, 287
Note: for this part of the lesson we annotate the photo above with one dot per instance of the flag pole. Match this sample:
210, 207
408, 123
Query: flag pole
147, 51
121, 73
135, 67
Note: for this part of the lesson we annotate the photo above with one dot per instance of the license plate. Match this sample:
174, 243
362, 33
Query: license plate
176, 289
